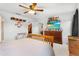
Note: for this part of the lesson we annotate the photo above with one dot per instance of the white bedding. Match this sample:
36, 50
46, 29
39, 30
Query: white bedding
26, 47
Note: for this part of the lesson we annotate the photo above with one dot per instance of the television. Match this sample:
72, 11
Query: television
54, 25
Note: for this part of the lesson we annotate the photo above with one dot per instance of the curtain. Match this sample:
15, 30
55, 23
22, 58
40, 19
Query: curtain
75, 24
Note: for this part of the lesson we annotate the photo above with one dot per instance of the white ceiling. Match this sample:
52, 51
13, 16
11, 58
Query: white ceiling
49, 8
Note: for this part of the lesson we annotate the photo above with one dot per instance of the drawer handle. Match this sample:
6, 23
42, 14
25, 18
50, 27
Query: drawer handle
72, 40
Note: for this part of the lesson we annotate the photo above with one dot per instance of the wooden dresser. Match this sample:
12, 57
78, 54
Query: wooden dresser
57, 35
73, 46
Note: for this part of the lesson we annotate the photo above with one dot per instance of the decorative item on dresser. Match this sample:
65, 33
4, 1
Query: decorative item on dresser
73, 45
57, 35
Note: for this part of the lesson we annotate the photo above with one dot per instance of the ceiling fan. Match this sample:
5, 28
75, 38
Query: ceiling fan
32, 8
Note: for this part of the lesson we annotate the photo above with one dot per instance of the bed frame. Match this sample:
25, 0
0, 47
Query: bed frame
46, 38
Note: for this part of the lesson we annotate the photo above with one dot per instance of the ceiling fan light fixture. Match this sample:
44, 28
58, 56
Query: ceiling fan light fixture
31, 12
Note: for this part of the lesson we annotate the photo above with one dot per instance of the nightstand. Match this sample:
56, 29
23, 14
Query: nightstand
73, 46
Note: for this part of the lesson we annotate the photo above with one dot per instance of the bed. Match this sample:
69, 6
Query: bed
26, 47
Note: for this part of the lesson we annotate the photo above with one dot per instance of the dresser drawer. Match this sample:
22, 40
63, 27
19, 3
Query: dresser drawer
57, 35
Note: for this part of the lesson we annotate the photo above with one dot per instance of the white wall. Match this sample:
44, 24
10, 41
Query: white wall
10, 30
66, 24
0, 29
36, 28
64, 11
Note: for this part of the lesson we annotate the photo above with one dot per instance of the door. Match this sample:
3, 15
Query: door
1, 29
30, 28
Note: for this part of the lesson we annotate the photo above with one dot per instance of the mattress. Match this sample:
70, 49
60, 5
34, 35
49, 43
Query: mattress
26, 47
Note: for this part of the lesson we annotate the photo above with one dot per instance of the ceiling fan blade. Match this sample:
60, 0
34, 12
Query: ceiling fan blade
26, 12
39, 10
24, 6
18, 13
